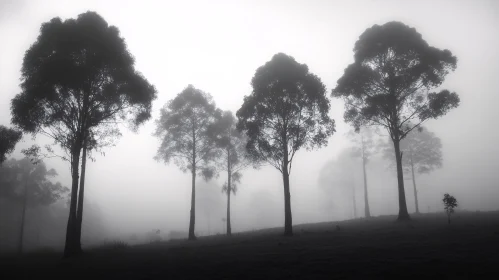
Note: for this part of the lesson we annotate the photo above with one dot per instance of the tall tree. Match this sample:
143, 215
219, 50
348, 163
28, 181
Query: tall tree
287, 110
234, 155
389, 85
8, 140
29, 184
183, 129
423, 154
364, 147
78, 81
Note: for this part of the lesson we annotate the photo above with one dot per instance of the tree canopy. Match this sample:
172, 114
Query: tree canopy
287, 110
8, 140
422, 149
16, 174
390, 80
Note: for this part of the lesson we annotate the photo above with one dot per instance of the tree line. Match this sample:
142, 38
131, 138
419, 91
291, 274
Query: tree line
79, 80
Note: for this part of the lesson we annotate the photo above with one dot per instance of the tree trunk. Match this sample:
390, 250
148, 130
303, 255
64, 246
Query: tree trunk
354, 202
229, 189
414, 185
403, 214
70, 246
79, 213
288, 223
23, 217
192, 221
448, 219
367, 212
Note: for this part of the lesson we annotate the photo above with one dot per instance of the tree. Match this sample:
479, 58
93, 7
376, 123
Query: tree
78, 82
234, 155
183, 129
450, 203
8, 140
389, 85
423, 150
364, 148
287, 110
29, 184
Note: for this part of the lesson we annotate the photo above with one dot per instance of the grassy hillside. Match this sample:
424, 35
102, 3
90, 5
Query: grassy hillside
375, 248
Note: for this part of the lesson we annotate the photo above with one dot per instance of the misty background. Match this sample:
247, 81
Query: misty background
217, 46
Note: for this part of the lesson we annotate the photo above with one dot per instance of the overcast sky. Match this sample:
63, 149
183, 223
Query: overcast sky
218, 45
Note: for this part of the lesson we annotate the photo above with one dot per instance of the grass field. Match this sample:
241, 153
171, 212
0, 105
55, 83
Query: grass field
377, 248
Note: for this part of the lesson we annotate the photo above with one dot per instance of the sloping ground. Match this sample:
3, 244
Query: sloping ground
426, 247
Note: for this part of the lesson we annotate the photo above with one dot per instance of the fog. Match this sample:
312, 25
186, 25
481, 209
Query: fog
217, 46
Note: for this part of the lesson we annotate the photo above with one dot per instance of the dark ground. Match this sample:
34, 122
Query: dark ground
379, 248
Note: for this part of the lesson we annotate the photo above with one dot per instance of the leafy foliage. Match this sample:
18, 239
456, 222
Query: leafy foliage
287, 110
232, 143
15, 175
421, 148
78, 78
183, 128
449, 204
8, 140
365, 143
390, 81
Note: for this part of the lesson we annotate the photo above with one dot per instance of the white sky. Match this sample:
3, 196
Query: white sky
217, 46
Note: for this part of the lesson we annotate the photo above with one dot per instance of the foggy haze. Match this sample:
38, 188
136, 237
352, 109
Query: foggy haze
217, 46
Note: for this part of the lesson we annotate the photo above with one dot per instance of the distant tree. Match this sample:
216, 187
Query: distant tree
287, 110
364, 147
389, 85
234, 157
423, 154
8, 140
29, 184
78, 82
183, 129
341, 174
450, 203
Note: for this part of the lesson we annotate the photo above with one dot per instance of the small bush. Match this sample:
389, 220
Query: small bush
450, 203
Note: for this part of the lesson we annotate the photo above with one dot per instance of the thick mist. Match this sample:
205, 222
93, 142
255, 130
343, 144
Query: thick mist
217, 48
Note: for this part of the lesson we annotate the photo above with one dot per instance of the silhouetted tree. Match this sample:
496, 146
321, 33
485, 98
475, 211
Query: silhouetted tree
183, 128
8, 140
29, 184
389, 85
450, 203
423, 153
364, 148
78, 81
234, 155
287, 110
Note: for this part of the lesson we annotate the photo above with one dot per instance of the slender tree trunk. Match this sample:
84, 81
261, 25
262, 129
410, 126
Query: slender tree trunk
414, 185
192, 221
367, 212
448, 219
70, 247
288, 223
403, 214
354, 203
23, 217
79, 211
229, 189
